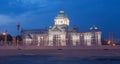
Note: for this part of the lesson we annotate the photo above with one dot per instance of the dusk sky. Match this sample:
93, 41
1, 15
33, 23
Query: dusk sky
35, 14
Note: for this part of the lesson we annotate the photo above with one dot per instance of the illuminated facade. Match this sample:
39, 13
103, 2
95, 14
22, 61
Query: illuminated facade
61, 34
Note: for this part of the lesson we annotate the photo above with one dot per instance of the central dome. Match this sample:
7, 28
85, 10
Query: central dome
61, 19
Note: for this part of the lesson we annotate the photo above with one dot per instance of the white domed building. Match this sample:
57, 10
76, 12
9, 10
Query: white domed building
61, 34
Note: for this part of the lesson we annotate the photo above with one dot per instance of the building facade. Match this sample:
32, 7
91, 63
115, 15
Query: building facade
61, 34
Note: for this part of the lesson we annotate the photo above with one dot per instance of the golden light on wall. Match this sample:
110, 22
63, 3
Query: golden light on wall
41, 37
65, 21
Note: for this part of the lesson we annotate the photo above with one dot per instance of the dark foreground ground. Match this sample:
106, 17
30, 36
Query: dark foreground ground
79, 51
58, 59
63, 52
60, 56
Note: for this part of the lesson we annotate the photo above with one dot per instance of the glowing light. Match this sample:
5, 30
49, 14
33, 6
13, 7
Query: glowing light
4, 33
114, 44
41, 37
109, 42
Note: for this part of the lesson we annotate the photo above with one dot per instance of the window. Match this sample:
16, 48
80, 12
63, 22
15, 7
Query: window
56, 40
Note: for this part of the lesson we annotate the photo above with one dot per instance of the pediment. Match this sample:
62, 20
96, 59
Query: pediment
56, 29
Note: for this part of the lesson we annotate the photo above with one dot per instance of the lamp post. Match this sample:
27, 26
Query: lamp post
17, 38
42, 40
18, 29
5, 37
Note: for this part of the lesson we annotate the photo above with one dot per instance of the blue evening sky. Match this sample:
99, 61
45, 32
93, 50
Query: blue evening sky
34, 14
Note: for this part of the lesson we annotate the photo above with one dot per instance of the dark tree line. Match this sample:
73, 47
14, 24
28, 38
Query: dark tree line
8, 37
19, 38
104, 42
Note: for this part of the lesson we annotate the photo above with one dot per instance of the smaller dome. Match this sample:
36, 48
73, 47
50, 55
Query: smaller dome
61, 19
94, 28
50, 27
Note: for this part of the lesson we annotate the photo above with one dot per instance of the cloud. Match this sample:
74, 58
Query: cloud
24, 18
39, 3
5, 19
8, 22
9, 19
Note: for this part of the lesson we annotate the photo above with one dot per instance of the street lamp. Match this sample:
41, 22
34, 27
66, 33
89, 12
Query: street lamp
5, 37
42, 40
109, 42
18, 29
114, 44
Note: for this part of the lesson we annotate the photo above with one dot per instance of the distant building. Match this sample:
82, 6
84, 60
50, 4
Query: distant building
61, 34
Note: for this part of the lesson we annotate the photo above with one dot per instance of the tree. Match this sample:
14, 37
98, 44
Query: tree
6, 37
18, 38
9, 37
103, 42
